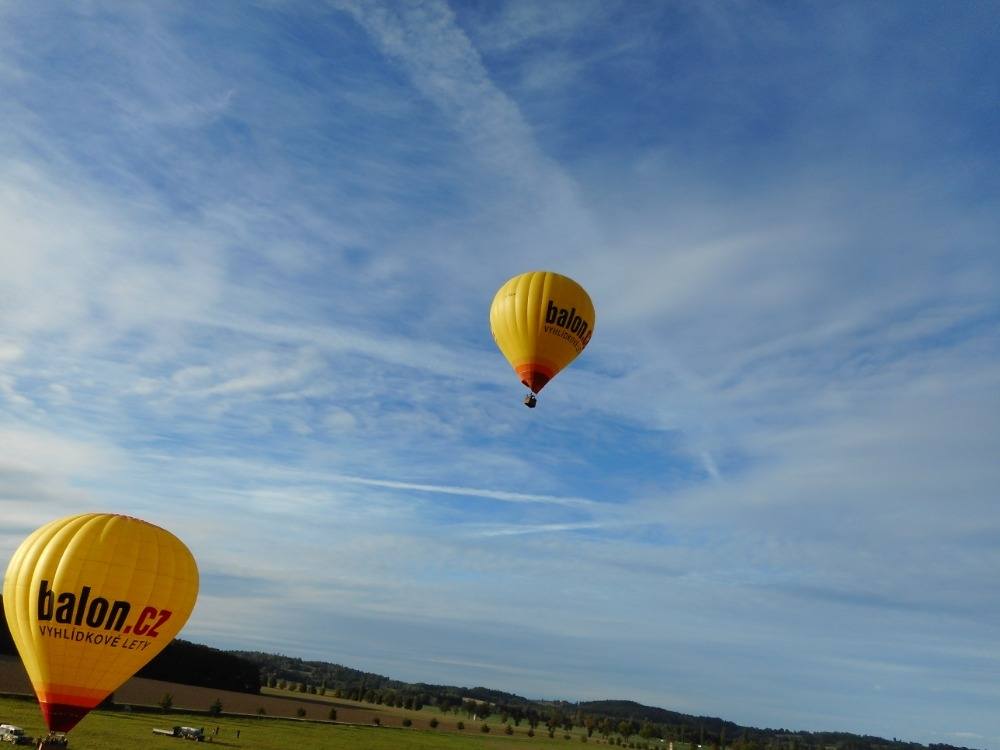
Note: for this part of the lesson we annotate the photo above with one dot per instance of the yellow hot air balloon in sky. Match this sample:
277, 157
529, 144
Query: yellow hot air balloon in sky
89, 600
541, 321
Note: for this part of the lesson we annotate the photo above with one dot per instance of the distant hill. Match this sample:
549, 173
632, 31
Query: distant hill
611, 716
246, 671
355, 683
194, 664
632, 710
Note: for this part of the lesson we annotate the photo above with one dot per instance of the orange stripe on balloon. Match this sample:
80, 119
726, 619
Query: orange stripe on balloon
73, 697
535, 375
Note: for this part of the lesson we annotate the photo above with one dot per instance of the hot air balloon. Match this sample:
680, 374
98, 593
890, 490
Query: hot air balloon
541, 321
89, 600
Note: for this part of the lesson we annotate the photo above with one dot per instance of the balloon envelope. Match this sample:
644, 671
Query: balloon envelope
89, 600
541, 321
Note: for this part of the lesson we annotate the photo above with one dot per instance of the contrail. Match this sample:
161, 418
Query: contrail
539, 529
502, 495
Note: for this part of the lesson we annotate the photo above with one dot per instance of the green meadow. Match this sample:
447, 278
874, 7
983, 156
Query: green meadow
118, 730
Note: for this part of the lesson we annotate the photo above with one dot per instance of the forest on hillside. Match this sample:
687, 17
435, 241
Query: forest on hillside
617, 721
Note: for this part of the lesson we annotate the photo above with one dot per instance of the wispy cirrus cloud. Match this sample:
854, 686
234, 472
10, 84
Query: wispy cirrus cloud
545, 528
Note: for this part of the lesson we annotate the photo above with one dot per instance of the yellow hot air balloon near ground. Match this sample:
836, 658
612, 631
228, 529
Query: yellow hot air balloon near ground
541, 321
89, 600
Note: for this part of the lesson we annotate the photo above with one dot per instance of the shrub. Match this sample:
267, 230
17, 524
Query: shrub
261, 711
166, 702
333, 714
376, 721
509, 729
407, 722
300, 712
216, 708
485, 728
531, 732
434, 722
460, 725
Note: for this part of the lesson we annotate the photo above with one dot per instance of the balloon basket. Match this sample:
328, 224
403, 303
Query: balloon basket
52, 741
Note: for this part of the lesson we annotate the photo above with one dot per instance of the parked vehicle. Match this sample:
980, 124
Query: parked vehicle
187, 733
14, 735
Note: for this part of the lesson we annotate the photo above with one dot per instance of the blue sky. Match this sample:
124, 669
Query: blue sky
248, 252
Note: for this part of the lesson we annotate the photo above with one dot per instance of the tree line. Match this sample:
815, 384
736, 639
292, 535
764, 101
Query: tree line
617, 722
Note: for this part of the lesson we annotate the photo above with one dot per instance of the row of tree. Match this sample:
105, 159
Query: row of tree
616, 722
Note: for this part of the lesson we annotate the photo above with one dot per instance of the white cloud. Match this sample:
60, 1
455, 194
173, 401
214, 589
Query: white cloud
46, 453
81, 265
10, 352
521, 22
340, 420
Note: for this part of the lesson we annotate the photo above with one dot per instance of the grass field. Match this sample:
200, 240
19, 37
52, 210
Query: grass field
119, 730
280, 727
